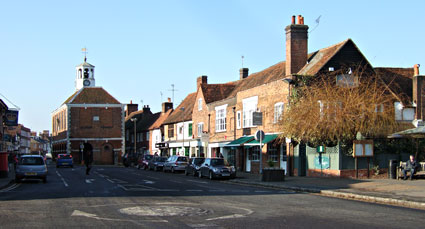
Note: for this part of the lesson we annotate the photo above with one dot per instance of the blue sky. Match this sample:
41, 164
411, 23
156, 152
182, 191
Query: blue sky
140, 48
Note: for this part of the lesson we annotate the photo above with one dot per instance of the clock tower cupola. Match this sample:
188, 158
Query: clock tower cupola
84, 75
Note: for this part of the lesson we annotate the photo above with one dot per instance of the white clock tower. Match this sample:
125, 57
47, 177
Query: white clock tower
84, 75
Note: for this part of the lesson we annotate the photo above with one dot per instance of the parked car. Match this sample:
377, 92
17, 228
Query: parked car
193, 167
157, 163
64, 160
129, 159
215, 168
175, 163
31, 167
144, 161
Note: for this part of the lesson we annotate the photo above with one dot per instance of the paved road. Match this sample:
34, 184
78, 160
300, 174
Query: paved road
127, 197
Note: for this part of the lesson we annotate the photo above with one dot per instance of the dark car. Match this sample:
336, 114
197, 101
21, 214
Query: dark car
129, 159
215, 168
193, 167
175, 163
144, 161
157, 163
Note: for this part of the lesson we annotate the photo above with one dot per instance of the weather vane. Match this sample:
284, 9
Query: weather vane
84, 50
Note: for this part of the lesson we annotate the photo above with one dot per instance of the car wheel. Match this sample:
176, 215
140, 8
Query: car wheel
172, 170
72, 166
195, 173
45, 180
57, 166
164, 169
17, 180
211, 176
186, 173
199, 174
138, 166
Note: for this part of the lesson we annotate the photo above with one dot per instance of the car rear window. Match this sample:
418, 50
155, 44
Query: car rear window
182, 159
32, 161
163, 159
65, 156
148, 157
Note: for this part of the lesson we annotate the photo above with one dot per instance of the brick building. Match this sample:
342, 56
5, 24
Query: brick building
91, 115
222, 113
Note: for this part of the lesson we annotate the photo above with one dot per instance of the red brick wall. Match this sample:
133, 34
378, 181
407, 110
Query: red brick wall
108, 126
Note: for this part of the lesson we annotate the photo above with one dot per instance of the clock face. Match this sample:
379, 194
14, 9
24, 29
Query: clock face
86, 82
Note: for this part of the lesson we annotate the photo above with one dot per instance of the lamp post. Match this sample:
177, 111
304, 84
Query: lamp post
184, 150
290, 159
134, 120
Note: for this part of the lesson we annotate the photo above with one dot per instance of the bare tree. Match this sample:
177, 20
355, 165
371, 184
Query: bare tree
330, 109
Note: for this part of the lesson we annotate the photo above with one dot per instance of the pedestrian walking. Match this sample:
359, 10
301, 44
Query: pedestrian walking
88, 157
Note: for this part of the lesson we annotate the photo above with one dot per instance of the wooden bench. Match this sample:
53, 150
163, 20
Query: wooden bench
419, 173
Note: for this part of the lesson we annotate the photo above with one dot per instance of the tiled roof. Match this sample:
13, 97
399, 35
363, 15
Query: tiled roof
399, 81
144, 120
178, 115
91, 95
318, 59
157, 124
268, 75
215, 92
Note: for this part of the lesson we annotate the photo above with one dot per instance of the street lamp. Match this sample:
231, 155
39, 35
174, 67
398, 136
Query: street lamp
290, 159
184, 151
134, 120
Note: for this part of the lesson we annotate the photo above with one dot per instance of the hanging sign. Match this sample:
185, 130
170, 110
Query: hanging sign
11, 117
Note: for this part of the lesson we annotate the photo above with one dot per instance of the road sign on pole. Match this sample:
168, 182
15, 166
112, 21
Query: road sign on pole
259, 136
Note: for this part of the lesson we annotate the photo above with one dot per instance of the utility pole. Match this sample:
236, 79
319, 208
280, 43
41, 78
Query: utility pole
184, 149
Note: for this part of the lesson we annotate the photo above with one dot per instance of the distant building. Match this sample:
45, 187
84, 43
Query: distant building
91, 115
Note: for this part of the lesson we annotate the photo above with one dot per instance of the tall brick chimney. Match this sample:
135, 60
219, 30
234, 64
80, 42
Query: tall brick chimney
296, 45
201, 80
243, 73
131, 108
167, 105
418, 92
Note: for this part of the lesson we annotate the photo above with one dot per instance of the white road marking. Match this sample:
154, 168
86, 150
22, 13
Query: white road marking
234, 216
10, 188
194, 190
110, 181
63, 180
89, 181
217, 190
148, 182
260, 191
153, 178
94, 216
202, 225
240, 190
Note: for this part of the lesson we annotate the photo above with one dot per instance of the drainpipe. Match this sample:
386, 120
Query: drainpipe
234, 123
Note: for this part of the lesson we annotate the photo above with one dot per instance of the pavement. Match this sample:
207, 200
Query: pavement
404, 193
10, 179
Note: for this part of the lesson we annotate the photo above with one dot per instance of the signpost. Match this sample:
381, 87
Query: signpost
259, 136
320, 150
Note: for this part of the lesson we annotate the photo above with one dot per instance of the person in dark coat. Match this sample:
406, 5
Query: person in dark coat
411, 166
88, 157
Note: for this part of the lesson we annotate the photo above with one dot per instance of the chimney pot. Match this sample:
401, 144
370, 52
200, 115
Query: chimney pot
416, 69
299, 19
293, 20
169, 99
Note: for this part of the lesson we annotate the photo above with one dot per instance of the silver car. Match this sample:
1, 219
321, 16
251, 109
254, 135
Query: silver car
31, 167
175, 163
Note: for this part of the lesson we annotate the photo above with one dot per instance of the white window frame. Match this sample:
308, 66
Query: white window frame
96, 118
238, 119
255, 149
200, 104
278, 111
200, 128
249, 107
147, 136
220, 118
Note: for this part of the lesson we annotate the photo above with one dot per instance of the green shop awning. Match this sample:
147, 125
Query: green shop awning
239, 141
268, 138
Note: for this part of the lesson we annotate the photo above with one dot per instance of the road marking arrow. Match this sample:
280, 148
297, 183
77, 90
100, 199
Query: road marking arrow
89, 181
